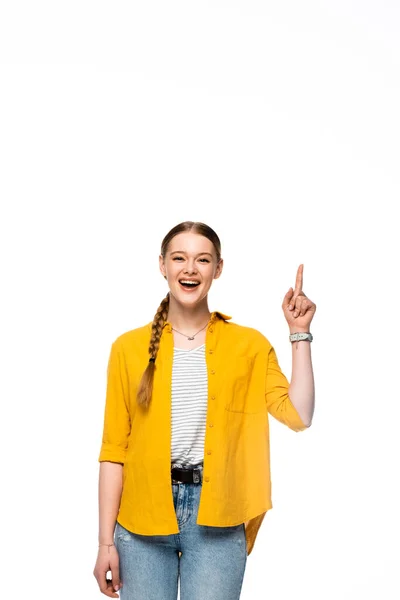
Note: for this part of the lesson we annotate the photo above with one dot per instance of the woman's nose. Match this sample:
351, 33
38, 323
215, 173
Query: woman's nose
190, 268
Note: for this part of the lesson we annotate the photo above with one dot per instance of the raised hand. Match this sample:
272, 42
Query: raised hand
297, 308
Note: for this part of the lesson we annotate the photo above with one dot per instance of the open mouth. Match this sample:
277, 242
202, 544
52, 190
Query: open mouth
189, 285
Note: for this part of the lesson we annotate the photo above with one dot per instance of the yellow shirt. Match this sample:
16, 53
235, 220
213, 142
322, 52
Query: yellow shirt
245, 383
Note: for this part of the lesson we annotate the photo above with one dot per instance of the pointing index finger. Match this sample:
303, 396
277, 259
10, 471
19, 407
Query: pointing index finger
299, 280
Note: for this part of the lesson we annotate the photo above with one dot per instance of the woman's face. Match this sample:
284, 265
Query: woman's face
190, 256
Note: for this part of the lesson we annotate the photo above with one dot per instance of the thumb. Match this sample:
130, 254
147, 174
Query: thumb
116, 582
288, 295
287, 298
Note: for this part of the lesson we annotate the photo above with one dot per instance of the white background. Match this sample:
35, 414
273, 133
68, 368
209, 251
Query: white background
278, 125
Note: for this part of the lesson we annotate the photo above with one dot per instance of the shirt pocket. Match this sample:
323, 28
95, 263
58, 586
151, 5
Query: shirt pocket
240, 397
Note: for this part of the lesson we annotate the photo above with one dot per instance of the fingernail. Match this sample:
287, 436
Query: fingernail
290, 306
116, 588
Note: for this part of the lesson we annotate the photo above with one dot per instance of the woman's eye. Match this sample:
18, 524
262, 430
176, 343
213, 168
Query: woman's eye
181, 257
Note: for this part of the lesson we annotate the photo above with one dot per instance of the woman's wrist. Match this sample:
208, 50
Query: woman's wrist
298, 330
106, 540
108, 546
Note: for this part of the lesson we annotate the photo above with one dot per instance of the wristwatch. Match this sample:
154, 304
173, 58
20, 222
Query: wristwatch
301, 335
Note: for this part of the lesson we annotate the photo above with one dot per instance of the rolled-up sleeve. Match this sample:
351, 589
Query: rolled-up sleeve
117, 422
277, 398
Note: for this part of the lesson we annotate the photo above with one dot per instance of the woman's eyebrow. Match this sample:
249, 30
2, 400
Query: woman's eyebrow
183, 252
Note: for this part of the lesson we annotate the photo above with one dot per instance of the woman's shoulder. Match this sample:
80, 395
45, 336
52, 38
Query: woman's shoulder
133, 336
251, 334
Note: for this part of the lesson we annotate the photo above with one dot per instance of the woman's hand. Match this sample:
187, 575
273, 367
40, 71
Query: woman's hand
108, 560
297, 308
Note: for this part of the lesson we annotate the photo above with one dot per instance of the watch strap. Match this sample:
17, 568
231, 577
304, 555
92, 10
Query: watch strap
301, 335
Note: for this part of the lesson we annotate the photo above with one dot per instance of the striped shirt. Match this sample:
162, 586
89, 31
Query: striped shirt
188, 406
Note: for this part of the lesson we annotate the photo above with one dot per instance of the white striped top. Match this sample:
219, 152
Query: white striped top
188, 406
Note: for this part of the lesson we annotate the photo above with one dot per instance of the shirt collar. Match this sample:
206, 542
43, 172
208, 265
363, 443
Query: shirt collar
222, 315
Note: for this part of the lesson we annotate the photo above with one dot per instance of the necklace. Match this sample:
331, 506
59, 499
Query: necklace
191, 337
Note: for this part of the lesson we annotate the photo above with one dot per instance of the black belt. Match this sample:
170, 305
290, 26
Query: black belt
193, 475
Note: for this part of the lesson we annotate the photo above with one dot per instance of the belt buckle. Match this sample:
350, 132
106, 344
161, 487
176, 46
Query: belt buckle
196, 475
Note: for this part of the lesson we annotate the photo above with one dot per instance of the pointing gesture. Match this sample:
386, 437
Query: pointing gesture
297, 308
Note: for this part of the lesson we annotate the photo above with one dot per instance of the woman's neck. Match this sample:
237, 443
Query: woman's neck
188, 320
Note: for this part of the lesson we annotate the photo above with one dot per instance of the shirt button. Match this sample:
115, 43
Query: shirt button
210, 351
206, 478
208, 451
212, 372
211, 425
211, 329
212, 397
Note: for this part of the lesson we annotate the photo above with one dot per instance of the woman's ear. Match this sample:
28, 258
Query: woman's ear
219, 268
161, 265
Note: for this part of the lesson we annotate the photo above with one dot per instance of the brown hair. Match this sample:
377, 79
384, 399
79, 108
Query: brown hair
146, 383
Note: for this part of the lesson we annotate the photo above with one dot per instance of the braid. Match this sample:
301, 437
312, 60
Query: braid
146, 384
157, 326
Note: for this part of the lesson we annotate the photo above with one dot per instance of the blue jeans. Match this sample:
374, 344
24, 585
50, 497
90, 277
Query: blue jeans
211, 566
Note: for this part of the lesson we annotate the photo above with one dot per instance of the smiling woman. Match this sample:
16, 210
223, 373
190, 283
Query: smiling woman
190, 260
185, 474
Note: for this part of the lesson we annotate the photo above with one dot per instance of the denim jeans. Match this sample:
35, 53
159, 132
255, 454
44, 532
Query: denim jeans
211, 565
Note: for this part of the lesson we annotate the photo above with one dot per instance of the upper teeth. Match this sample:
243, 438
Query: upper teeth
192, 282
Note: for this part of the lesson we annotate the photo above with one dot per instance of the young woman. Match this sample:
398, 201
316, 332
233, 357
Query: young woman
184, 479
